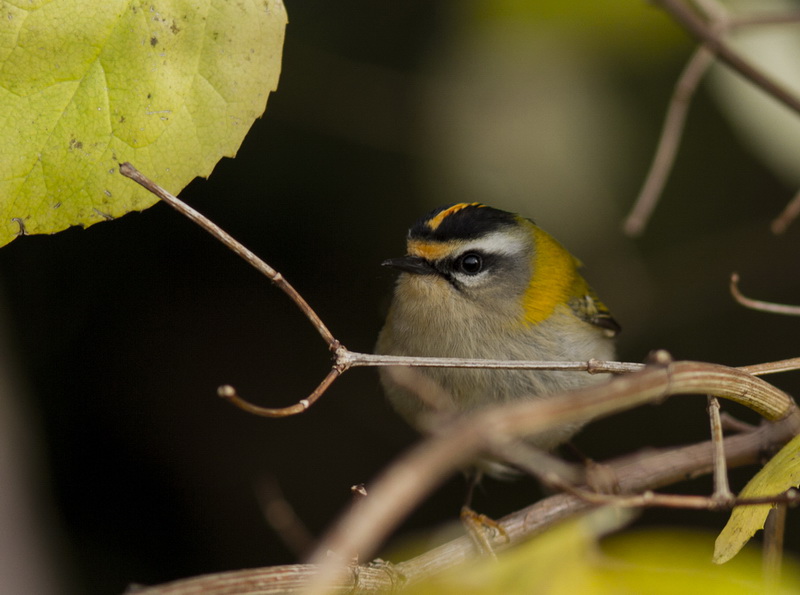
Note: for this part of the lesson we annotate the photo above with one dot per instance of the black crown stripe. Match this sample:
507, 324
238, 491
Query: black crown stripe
464, 222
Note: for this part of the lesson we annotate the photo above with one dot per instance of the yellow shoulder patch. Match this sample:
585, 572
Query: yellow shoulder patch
555, 278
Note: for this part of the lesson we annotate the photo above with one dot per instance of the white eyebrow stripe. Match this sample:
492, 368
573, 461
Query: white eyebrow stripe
495, 243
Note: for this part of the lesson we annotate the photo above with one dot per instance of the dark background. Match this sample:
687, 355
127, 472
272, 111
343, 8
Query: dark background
120, 334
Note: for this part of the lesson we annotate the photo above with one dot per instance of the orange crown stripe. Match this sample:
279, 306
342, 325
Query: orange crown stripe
429, 250
434, 222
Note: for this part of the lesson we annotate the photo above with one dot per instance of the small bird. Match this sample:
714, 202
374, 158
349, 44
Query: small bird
478, 282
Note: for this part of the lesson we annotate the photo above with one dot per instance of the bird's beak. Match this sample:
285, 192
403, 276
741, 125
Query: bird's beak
411, 264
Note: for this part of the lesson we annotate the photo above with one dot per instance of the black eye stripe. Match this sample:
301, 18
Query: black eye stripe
473, 262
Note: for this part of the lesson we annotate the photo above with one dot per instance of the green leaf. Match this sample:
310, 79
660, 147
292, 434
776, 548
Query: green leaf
170, 85
778, 475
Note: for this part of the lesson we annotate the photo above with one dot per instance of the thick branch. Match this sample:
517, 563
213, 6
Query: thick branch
634, 473
404, 484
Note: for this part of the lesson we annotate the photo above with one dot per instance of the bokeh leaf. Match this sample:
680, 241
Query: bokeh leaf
170, 85
560, 560
674, 562
781, 473
767, 127
572, 558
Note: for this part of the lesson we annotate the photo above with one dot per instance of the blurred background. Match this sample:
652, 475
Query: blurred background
119, 463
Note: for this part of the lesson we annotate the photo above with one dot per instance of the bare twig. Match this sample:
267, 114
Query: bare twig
733, 424
650, 499
722, 490
229, 393
280, 515
547, 468
344, 359
774, 530
784, 365
789, 214
670, 140
706, 35
758, 304
359, 492
782, 18
355, 359
710, 36
129, 171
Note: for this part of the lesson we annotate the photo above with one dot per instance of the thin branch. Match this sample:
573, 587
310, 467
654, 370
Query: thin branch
229, 393
706, 35
648, 499
722, 490
355, 359
281, 516
758, 304
712, 46
774, 530
129, 171
789, 214
784, 365
671, 134
358, 492
547, 468
783, 18
732, 424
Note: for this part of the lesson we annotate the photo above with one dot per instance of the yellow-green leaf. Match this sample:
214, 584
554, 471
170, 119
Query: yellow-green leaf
560, 560
778, 475
571, 558
675, 562
170, 85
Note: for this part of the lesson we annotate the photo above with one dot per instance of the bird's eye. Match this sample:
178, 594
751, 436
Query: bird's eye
470, 263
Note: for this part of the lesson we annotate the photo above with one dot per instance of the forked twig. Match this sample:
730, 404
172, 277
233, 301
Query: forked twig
706, 35
709, 33
760, 305
344, 359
